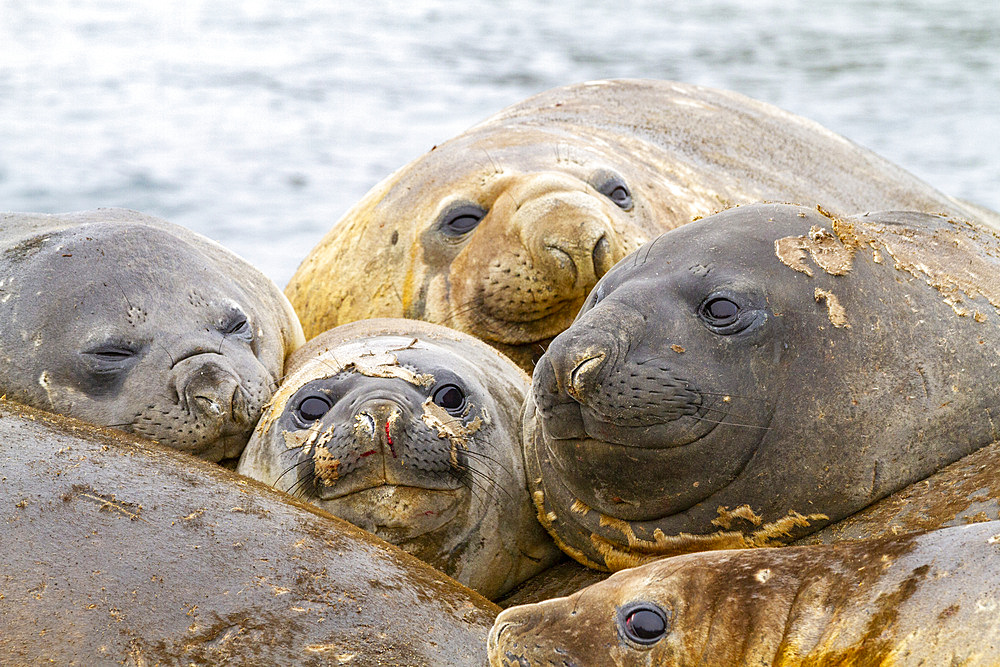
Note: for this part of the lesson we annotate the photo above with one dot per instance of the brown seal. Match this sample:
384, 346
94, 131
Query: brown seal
502, 231
918, 599
116, 549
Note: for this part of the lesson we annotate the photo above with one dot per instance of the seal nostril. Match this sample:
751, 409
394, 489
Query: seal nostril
564, 259
602, 256
582, 374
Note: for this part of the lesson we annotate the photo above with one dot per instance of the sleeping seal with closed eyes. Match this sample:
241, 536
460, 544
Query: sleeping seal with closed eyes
125, 320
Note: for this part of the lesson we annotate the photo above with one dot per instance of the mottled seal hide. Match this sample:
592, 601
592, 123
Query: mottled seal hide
502, 231
928, 599
750, 377
125, 320
116, 550
412, 431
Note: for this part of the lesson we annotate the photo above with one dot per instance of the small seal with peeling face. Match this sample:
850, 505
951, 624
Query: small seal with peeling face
411, 431
826, 365
125, 320
502, 231
919, 599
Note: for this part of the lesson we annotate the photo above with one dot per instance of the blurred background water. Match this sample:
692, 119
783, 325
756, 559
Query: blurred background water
259, 123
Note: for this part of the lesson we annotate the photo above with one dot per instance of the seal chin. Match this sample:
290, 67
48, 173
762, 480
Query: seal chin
398, 514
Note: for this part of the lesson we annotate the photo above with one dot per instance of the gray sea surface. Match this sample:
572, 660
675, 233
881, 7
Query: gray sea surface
260, 123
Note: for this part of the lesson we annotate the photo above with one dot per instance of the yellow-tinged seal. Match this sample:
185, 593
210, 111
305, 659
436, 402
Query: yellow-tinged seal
502, 231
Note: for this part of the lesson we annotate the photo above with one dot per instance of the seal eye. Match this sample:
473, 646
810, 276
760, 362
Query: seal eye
110, 358
460, 220
644, 623
312, 407
614, 188
721, 311
238, 326
450, 397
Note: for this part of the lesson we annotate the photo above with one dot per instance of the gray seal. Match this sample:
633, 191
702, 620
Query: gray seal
411, 431
918, 599
502, 231
125, 320
119, 550
751, 377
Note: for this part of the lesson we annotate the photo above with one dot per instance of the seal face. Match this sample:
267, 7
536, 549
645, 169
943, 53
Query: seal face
410, 431
502, 231
127, 321
909, 600
744, 379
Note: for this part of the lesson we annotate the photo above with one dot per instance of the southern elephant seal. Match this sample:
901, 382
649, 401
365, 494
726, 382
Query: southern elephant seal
748, 378
125, 320
502, 231
919, 599
412, 431
967, 491
119, 550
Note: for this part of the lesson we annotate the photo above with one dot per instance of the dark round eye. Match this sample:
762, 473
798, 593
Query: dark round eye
721, 311
462, 219
614, 188
450, 397
312, 407
644, 623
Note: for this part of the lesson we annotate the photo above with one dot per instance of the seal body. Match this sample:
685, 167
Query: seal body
751, 377
411, 431
502, 231
967, 491
125, 320
115, 549
919, 599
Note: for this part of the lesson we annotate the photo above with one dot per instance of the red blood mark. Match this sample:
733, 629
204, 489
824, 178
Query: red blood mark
368, 453
388, 439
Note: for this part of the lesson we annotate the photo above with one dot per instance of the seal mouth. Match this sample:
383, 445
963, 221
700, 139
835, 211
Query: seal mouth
590, 429
398, 513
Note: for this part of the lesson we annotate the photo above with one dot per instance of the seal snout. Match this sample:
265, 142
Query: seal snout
380, 420
579, 363
213, 393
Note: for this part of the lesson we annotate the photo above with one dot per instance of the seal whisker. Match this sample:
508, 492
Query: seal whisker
295, 465
492, 482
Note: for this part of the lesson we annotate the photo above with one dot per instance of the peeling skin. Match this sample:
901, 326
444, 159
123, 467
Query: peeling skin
826, 249
368, 363
296, 439
726, 517
639, 552
458, 434
958, 261
838, 316
325, 465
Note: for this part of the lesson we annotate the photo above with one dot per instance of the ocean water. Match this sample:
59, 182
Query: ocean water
259, 123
